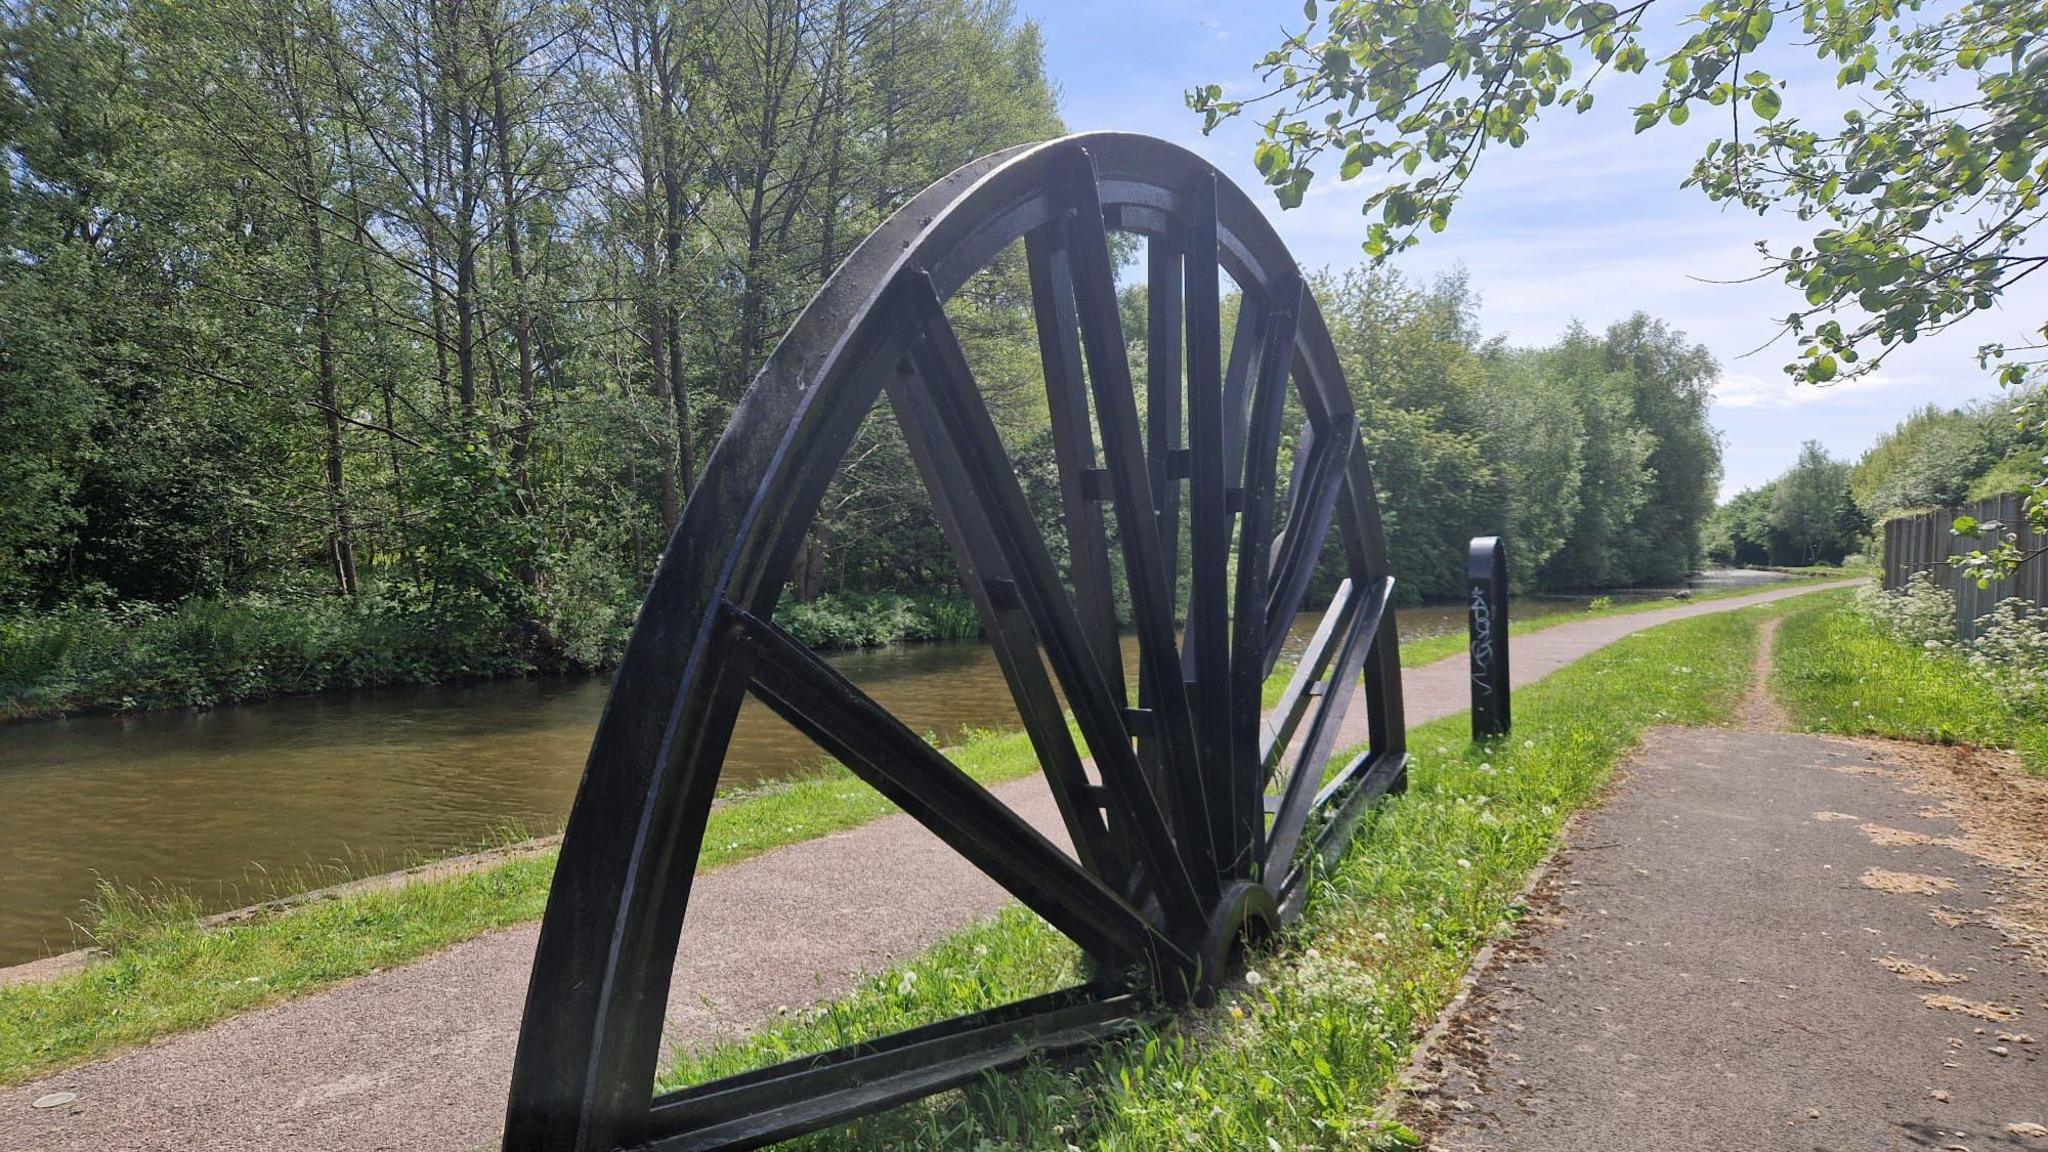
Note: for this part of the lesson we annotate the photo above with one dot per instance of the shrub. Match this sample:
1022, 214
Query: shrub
2011, 652
1922, 613
205, 652
858, 620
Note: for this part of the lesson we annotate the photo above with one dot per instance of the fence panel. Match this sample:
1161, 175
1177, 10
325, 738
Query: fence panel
1925, 543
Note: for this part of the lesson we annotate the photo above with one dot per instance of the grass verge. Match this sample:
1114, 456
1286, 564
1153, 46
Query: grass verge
1415, 653
1835, 672
1299, 1056
165, 973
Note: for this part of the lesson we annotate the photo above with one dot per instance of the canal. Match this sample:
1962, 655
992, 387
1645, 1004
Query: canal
238, 804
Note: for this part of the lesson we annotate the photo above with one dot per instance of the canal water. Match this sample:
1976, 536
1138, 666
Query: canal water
238, 804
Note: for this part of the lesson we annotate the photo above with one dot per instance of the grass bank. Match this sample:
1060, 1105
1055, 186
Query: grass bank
166, 973
1837, 672
1302, 1053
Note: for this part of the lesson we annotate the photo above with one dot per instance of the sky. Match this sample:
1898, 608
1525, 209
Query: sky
1585, 222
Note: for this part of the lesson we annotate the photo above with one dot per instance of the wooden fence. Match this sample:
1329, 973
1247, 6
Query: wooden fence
1923, 543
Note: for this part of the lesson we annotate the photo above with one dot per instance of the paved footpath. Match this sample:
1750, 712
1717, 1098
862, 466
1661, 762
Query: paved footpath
1767, 941
419, 1057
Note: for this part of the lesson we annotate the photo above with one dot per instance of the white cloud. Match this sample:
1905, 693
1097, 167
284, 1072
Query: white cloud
1749, 390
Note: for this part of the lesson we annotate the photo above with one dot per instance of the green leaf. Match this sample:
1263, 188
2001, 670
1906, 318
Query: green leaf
1766, 103
1271, 159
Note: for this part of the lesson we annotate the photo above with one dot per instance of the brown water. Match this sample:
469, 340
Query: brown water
237, 804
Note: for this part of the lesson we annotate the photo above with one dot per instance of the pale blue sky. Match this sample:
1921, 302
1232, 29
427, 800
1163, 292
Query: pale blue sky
1586, 222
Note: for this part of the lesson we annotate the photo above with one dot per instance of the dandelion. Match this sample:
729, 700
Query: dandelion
1486, 767
907, 985
1528, 743
1464, 863
1236, 1013
1252, 979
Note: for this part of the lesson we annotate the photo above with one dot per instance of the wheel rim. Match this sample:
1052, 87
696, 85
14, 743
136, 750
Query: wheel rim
1204, 793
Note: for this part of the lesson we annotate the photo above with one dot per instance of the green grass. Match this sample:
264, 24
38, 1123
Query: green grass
1301, 1060
1835, 672
165, 973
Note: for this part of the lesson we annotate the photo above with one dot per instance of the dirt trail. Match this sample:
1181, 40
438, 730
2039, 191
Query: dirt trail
1784, 942
419, 1057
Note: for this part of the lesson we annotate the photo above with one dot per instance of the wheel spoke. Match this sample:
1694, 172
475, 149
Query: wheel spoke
1163, 303
1116, 411
987, 575
1245, 800
1306, 684
1311, 501
1066, 393
1205, 658
874, 745
943, 381
1164, 458
1305, 778
1247, 344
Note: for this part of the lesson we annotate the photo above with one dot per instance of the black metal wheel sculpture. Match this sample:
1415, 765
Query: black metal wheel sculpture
1200, 818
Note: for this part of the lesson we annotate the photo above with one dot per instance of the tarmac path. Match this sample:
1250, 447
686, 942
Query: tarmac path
1770, 941
419, 1057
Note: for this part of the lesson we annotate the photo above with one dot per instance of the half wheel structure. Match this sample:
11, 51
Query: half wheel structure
1195, 816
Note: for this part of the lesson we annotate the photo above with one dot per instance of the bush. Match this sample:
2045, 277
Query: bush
2011, 649
1922, 613
589, 607
2011, 653
205, 652
857, 620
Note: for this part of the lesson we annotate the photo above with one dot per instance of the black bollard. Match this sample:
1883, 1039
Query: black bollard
1486, 580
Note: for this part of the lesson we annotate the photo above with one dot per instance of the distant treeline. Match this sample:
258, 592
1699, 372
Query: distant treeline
1593, 455
1823, 509
353, 341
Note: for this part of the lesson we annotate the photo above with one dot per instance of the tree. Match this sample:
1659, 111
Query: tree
1812, 518
1925, 193
1739, 532
1935, 457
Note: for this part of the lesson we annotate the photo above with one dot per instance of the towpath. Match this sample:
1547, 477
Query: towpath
1769, 941
419, 1057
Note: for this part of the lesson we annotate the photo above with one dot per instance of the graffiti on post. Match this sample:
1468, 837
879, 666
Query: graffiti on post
1486, 573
